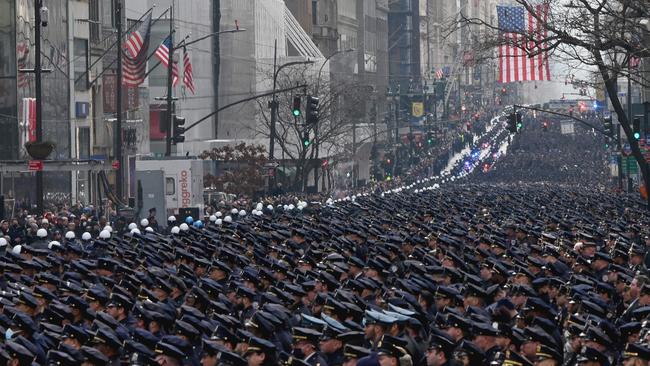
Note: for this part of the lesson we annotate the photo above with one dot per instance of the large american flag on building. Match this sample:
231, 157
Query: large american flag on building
520, 35
162, 54
134, 57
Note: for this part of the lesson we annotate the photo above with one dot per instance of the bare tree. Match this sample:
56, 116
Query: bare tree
302, 143
242, 167
603, 36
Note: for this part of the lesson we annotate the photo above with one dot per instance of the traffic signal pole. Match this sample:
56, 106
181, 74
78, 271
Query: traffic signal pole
170, 100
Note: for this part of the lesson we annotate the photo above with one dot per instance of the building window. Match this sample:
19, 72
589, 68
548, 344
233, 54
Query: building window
314, 12
80, 64
93, 16
170, 186
83, 134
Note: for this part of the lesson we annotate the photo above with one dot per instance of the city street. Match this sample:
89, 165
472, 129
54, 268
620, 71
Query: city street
324, 183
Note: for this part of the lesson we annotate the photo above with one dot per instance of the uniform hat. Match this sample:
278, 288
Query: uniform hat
61, 358
167, 349
591, 354
106, 336
634, 350
306, 334
92, 355
354, 352
515, 359
259, 345
15, 350
392, 346
75, 332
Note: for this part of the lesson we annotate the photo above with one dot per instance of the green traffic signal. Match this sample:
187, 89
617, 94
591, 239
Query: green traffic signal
306, 142
429, 141
637, 135
296, 112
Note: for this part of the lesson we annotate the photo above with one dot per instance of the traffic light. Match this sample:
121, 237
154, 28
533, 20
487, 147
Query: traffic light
519, 123
512, 123
179, 129
311, 110
305, 139
608, 126
295, 107
636, 128
430, 138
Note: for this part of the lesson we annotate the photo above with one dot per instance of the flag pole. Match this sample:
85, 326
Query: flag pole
170, 100
117, 148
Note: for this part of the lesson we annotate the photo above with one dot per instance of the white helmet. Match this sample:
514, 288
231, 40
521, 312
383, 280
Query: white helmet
132, 226
41, 233
104, 234
242, 213
259, 206
219, 222
227, 219
108, 228
135, 231
234, 211
148, 229
184, 227
3, 242
17, 249
175, 230
144, 222
259, 213
213, 218
269, 207
45, 221
86, 236
171, 218
70, 235
53, 243
218, 214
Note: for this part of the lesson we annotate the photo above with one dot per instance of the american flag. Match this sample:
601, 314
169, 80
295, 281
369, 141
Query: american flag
440, 74
162, 54
22, 57
521, 33
188, 74
134, 57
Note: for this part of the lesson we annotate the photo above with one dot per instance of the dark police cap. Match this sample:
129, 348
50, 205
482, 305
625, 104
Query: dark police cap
93, 356
13, 350
167, 349
75, 332
120, 301
259, 345
392, 346
55, 357
351, 352
635, 350
515, 359
106, 336
589, 354
306, 334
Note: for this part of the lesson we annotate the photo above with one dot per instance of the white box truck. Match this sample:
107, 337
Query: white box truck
182, 185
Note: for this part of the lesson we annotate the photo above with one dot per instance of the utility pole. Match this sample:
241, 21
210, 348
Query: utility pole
216, 65
117, 147
274, 108
39, 105
629, 118
170, 87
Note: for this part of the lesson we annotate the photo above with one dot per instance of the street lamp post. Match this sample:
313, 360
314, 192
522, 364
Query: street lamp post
316, 91
274, 104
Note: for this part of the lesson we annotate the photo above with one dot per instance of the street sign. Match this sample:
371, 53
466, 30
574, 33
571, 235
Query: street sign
627, 150
116, 165
629, 165
272, 164
418, 109
35, 165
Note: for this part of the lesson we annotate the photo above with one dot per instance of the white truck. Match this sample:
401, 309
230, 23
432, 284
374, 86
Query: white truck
178, 179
